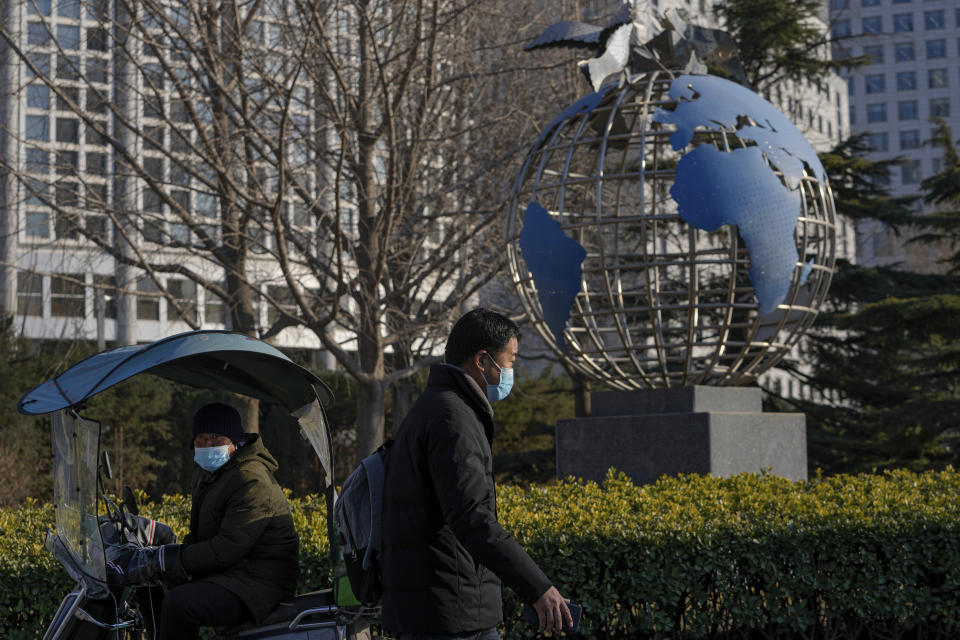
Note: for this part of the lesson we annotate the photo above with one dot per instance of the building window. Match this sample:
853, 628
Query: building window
38, 224
68, 130
38, 161
936, 48
214, 311
840, 29
852, 114
38, 128
910, 172
876, 83
68, 36
908, 110
153, 137
68, 67
98, 226
67, 194
68, 99
878, 141
877, 112
182, 198
909, 140
66, 226
97, 70
37, 34
906, 81
179, 235
872, 25
870, 3
933, 20
851, 84
283, 298
38, 192
875, 53
936, 78
67, 296
39, 7
148, 301
68, 8
29, 294
96, 196
97, 39
38, 96
152, 201
940, 107
903, 52
97, 163
97, 101
185, 293
206, 204
903, 22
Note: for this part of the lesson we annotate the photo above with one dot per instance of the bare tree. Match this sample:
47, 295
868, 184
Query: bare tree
332, 169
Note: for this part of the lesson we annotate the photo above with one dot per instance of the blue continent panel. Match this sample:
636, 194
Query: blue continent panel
714, 188
555, 262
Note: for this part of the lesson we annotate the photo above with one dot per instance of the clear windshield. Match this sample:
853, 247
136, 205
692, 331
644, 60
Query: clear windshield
75, 450
313, 425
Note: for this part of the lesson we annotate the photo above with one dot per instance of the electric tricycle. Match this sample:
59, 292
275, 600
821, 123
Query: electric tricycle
89, 523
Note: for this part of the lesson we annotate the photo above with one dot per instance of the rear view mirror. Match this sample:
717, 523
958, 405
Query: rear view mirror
130, 501
105, 464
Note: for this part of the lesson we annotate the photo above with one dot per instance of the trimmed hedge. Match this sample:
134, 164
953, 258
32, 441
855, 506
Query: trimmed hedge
869, 556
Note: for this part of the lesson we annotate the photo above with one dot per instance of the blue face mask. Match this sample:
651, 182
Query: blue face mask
211, 458
499, 391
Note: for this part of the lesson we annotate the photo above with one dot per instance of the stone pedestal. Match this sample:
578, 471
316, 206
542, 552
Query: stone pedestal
720, 431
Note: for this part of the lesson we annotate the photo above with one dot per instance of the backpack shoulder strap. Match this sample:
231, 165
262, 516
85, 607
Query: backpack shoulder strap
373, 465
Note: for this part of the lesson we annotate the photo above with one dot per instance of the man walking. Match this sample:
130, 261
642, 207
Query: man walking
444, 553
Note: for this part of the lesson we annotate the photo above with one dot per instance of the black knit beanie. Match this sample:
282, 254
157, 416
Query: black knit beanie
220, 418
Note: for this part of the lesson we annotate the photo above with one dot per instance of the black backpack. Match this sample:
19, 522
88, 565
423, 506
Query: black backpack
357, 514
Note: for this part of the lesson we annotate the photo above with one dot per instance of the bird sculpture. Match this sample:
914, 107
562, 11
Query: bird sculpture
620, 50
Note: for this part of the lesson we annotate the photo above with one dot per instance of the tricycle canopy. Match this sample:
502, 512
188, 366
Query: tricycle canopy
206, 359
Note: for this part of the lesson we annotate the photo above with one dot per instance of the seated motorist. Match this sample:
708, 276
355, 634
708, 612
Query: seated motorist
240, 558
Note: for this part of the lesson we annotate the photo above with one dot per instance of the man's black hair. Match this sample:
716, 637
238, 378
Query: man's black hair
479, 330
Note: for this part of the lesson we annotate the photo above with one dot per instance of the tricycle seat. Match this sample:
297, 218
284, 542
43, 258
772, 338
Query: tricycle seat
309, 610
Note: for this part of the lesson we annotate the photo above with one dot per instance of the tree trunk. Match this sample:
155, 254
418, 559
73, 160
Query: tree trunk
371, 407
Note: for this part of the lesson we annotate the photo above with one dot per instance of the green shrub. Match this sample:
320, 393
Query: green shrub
870, 556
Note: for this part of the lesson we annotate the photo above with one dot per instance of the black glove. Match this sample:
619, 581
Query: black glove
117, 559
151, 565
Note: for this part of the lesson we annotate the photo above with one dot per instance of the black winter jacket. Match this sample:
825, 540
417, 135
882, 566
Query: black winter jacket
443, 548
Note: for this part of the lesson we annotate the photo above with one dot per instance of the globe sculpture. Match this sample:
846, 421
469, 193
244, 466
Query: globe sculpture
671, 229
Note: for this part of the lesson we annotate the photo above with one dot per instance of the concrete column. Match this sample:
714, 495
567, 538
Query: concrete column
125, 202
10, 185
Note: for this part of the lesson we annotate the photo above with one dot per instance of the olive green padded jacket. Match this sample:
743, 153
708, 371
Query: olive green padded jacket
241, 531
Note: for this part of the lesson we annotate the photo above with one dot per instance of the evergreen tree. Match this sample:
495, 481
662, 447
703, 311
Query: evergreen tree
24, 441
780, 40
887, 350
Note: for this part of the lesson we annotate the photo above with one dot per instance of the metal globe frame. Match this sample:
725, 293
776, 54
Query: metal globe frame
662, 304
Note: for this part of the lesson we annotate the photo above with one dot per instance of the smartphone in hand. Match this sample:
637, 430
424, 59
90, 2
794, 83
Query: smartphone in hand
530, 615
